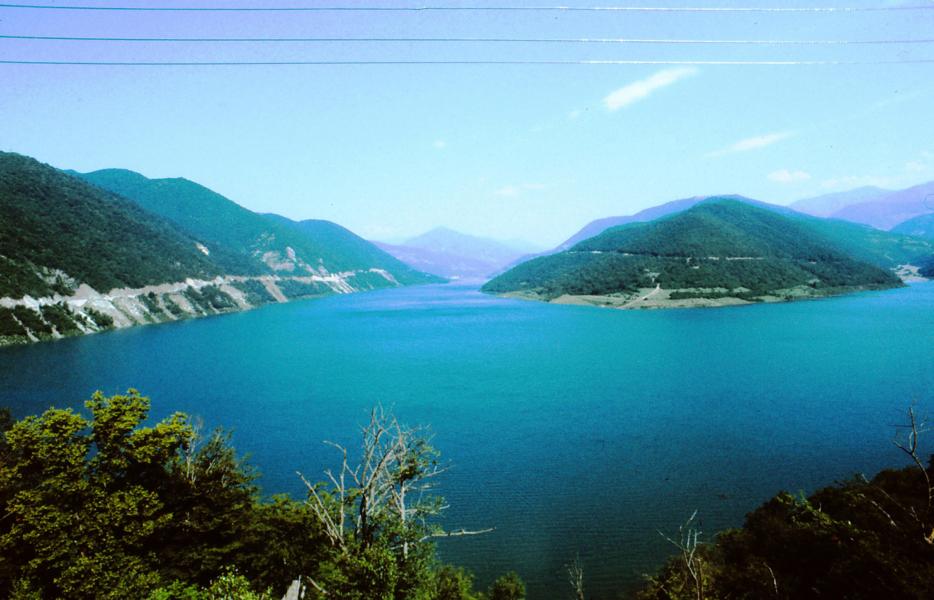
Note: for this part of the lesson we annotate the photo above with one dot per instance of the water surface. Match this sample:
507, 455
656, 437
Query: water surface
574, 431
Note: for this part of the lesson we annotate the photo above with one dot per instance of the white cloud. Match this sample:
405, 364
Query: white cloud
574, 114
639, 90
753, 143
787, 176
512, 191
439, 145
922, 164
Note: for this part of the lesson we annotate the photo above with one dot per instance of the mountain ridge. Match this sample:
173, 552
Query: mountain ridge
720, 251
77, 258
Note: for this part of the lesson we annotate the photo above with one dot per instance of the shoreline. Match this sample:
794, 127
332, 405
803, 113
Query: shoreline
659, 298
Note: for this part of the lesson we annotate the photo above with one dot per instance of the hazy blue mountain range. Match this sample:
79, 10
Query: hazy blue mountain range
882, 209
719, 248
453, 254
891, 209
826, 205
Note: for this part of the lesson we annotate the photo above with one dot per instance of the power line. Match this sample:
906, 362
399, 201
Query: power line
686, 9
470, 40
462, 62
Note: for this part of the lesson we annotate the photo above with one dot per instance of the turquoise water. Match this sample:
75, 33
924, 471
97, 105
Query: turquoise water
573, 431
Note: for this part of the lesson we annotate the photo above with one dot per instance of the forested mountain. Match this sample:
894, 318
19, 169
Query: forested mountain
921, 226
57, 230
113, 249
598, 226
719, 249
248, 242
649, 214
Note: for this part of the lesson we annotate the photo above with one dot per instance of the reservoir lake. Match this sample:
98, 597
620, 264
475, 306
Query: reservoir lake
573, 431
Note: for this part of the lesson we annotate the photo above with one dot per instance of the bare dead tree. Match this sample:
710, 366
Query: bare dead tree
190, 448
906, 440
687, 544
576, 578
391, 484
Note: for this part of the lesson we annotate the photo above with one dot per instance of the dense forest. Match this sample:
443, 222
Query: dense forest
724, 245
239, 238
115, 229
57, 230
103, 506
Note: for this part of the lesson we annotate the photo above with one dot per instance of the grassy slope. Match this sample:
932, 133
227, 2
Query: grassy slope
791, 251
56, 221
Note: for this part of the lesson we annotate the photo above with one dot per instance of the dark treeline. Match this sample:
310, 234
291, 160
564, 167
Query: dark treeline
103, 507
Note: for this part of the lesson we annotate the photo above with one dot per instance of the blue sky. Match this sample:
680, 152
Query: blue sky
509, 151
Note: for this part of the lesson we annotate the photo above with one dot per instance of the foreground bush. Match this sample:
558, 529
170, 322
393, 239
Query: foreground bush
859, 539
103, 507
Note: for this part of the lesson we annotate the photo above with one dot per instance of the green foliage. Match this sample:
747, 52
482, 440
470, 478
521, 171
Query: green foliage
151, 303
32, 320
19, 278
9, 326
172, 307
857, 539
453, 583
80, 511
53, 220
237, 237
229, 586
926, 267
61, 317
105, 507
254, 291
210, 299
920, 226
6, 422
100, 319
722, 244
508, 587
297, 289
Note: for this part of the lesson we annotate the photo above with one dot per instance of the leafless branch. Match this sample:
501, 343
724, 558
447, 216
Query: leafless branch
687, 543
906, 440
576, 578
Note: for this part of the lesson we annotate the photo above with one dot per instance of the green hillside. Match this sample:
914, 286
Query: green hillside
245, 242
886, 249
920, 226
54, 222
719, 248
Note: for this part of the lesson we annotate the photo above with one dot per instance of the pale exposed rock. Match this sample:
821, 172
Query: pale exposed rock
131, 306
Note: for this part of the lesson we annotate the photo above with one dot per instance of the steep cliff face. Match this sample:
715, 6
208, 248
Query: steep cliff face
27, 319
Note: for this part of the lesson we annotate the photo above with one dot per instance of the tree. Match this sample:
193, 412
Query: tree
80, 504
375, 513
508, 587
